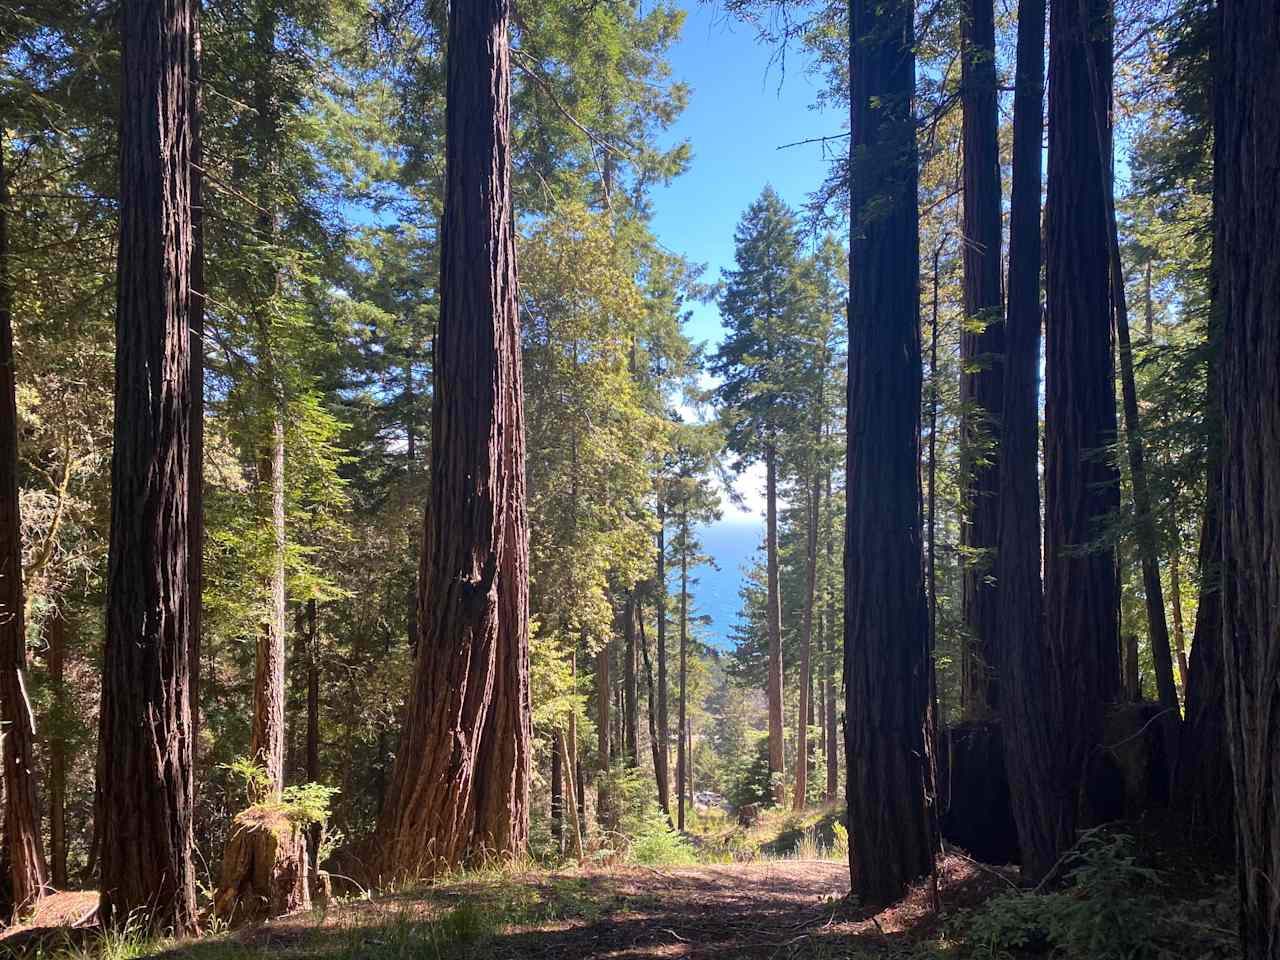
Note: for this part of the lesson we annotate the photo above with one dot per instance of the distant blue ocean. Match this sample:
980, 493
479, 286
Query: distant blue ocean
733, 543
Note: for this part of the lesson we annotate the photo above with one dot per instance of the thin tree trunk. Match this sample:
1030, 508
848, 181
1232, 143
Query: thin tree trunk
1247, 221
313, 720
653, 725
604, 812
575, 829
773, 616
557, 795
27, 869
266, 735
800, 797
57, 658
886, 640
631, 706
145, 738
981, 356
468, 636
1148, 548
931, 531
830, 620
682, 758
662, 766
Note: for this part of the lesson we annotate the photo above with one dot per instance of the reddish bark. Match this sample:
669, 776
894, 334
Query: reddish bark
1081, 590
27, 870
473, 601
1247, 220
145, 780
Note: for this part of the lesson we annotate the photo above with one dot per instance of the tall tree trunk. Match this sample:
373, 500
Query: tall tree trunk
313, 721
682, 757
652, 700
146, 777
465, 600
800, 797
557, 795
662, 766
1148, 546
57, 659
266, 735
1045, 819
631, 694
1081, 606
886, 640
27, 868
574, 825
1204, 786
829, 627
604, 745
1247, 221
773, 616
505, 765
195, 489
981, 356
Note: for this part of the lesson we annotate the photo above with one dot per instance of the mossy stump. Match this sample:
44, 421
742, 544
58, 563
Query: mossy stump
264, 869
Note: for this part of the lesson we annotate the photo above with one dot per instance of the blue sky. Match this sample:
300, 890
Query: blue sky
742, 108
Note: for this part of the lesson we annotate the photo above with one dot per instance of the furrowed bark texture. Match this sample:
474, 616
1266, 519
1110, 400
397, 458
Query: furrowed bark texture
27, 869
981, 356
146, 778
1041, 813
886, 624
1081, 590
1247, 222
472, 656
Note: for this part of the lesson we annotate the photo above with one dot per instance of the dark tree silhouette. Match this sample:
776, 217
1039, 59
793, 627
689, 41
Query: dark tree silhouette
1081, 589
1021, 657
1247, 222
981, 355
886, 640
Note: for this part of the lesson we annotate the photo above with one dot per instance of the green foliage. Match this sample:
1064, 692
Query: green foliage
1105, 911
751, 784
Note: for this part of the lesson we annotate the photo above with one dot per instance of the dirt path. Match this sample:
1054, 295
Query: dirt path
732, 910
768, 909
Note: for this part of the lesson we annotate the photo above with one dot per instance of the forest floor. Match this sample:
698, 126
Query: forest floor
775, 891
765, 909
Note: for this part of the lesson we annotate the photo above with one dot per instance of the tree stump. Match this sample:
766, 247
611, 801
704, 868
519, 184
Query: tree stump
264, 868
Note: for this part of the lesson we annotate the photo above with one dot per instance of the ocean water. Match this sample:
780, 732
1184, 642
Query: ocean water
732, 543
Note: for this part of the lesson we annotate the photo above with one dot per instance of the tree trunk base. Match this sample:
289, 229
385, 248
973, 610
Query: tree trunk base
264, 869
977, 814
1131, 773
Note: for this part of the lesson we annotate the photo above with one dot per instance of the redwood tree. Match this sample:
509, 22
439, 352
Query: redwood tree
27, 870
886, 636
1022, 659
1081, 596
461, 773
145, 781
1247, 221
981, 349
